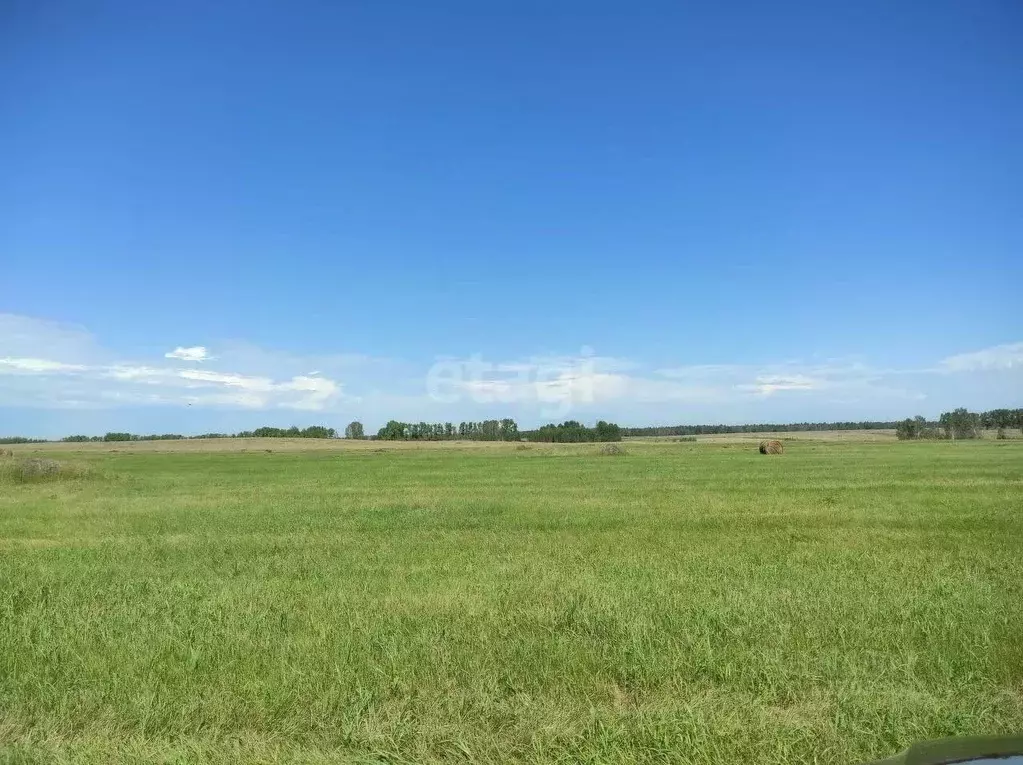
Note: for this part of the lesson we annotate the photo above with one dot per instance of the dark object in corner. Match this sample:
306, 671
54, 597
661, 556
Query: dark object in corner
979, 750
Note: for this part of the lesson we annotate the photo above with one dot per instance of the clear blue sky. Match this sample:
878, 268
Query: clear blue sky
744, 194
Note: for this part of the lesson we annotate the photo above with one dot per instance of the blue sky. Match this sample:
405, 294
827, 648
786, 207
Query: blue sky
654, 213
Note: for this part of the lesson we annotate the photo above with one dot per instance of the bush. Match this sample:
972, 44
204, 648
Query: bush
612, 450
1000, 434
39, 470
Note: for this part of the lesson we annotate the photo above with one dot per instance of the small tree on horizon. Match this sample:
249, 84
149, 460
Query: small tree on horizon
355, 430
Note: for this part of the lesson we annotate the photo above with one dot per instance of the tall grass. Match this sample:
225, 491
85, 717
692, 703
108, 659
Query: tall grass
40, 470
694, 604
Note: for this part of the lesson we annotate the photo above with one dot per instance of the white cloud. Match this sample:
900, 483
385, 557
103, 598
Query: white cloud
93, 380
132, 372
548, 379
54, 366
194, 353
316, 392
556, 385
588, 388
765, 385
228, 379
1000, 357
38, 366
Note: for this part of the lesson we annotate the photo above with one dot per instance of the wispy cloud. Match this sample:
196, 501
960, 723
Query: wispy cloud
51, 365
194, 353
999, 357
126, 383
837, 379
585, 379
53, 382
38, 366
765, 385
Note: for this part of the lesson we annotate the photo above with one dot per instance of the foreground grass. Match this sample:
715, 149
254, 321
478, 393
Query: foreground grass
684, 603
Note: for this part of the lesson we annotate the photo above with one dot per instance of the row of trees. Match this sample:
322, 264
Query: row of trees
313, 431
960, 424
499, 430
1002, 418
487, 430
572, 432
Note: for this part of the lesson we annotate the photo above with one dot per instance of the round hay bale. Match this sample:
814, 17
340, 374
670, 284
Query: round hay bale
771, 447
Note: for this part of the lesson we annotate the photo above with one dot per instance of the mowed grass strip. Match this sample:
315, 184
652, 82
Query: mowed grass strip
681, 603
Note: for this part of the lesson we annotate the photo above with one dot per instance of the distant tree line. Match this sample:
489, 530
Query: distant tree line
960, 424
498, 430
1002, 418
956, 424
486, 430
313, 431
572, 432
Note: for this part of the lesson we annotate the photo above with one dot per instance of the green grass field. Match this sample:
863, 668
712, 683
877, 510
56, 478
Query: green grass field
683, 603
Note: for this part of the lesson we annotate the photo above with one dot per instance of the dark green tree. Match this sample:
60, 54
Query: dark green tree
608, 431
911, 428
393, 431
960, 423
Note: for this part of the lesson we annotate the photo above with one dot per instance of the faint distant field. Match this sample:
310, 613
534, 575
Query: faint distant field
880, 435
326, 444
804, 435
334, 602
339, 444
254, 445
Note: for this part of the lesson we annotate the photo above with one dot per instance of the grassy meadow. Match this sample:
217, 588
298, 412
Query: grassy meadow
681, 603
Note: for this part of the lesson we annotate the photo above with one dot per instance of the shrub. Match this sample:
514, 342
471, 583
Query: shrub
39, 470
612, 450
